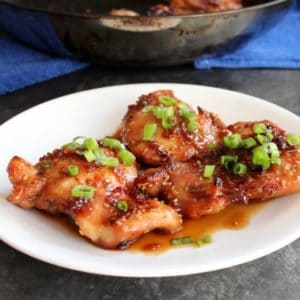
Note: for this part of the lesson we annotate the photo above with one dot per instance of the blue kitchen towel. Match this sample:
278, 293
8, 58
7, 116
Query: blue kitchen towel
277, 48
22, 65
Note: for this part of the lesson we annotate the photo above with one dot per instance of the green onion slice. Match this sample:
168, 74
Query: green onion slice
207, 239
204, 240
182, 241
259, 128
127, 157
91, 144
108, 161
83, 191
240, 169
167, 100
113, 143
248, 143
149, 131
168, 117
73, 170
192, 125
212, 146
89, 155
262, 139
122, 205
261, 157
158, 111
233, 141
293, 139
228, 161
209, 171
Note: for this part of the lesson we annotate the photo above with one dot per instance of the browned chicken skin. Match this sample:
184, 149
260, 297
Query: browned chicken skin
182, 184
48, 186
182, 7
177, 143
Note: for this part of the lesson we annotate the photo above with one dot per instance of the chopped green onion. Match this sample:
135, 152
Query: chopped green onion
91, 144
259, 128
261, 157
275, 160
71, 145
147, 108
272, 149
212, 146
79, 139
109, 161
199, 242
293, 139
83, 191
168, 118
181, 241
122, 205
192, 126
184, 110
187, 240
240, 169
113, 143
127, 157
269, 135
248, 143
167, 124
207, 239
233, 141
228, 161
149, 131
73, 170
167, 100
262, 139
204, 240
158, 111
209, 171
89, 155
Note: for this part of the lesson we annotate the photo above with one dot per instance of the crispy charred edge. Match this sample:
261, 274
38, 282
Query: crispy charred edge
144, 100
246, 130
216, 121
139, 212
27, 184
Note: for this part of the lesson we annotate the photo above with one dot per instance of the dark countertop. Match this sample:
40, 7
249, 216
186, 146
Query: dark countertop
276, 276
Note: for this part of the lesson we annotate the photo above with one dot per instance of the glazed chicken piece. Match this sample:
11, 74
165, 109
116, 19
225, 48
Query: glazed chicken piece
183, 186
179, 134
181, 7
109, 215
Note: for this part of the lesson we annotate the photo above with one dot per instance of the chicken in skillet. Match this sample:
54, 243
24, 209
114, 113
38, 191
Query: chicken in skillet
258, 161
181, 7
92, 184
161, 128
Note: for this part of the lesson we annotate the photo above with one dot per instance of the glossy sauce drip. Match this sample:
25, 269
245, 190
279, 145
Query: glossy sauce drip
234, 217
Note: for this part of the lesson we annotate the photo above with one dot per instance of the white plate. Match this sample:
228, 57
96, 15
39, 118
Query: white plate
97, 113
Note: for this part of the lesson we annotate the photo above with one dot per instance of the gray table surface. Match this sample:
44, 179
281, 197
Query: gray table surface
276, 276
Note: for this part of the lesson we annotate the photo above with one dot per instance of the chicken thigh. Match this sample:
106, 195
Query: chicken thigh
162, 128
95, 194
260, 166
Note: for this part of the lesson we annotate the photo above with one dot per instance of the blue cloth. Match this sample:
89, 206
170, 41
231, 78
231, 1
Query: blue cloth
22, 65
277, 48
